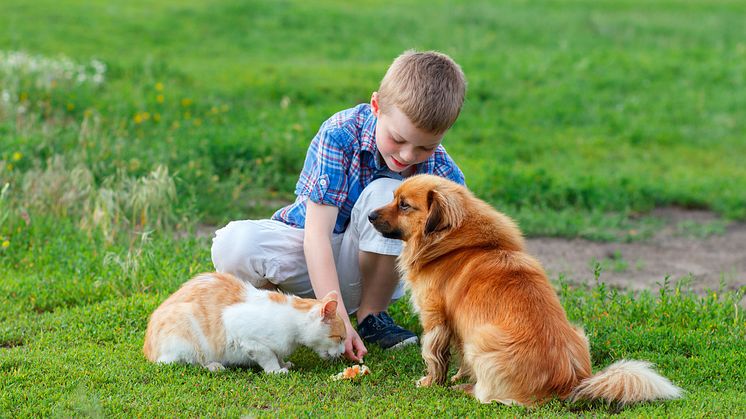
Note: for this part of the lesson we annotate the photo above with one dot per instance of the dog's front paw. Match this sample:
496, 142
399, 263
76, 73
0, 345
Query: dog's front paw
425, 381
278, 371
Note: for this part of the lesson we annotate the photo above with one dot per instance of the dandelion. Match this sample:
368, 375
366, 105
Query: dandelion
159, 98
9, 166
6, 244
138, 118
156, 117
17, 156
159, 86
70, 106
214, 110
186, 102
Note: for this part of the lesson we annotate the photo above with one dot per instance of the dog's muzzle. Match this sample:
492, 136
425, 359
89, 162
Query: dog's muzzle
383, 227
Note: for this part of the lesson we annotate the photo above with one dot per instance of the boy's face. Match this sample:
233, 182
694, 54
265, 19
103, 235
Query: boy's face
401, 144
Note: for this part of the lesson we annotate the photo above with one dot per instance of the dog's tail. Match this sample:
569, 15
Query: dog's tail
626, 381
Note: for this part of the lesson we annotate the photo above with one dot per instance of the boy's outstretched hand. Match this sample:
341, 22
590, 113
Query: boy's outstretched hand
354, 348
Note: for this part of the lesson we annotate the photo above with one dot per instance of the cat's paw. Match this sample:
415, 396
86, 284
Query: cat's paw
215, 367
425, 381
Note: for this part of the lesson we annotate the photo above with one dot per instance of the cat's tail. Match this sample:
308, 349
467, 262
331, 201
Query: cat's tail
626, 381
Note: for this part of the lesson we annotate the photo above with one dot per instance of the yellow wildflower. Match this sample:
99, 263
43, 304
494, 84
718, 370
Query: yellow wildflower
9, 166
17, 156
186, 102
159, 98
138, 118
156, 117
6, 243
197, 122
70, 106
159, 86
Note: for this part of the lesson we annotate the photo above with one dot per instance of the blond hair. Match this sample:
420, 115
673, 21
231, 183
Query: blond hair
428, 87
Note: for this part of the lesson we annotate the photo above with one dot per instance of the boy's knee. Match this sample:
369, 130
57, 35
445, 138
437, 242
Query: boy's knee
233, 249
380, 192
377, 194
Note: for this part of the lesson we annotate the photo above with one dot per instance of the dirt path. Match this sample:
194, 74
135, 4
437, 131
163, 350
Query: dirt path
676, 250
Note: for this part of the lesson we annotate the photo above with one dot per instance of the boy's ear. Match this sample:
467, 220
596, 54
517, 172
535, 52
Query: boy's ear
375, 105
329, 310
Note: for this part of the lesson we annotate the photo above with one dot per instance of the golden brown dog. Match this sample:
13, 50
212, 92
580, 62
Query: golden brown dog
473, 285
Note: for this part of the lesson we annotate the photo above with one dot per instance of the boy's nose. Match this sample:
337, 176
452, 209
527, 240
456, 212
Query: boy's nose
407, 156
373, 216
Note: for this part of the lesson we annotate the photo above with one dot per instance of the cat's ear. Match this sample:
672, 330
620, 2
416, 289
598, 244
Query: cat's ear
331, 295
328, 309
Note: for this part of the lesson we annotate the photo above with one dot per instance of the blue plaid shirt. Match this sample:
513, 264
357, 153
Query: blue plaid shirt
342, 160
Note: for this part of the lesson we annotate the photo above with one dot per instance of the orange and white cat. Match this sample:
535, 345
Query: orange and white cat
216, 320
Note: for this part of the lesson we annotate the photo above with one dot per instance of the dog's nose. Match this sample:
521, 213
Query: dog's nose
373, 216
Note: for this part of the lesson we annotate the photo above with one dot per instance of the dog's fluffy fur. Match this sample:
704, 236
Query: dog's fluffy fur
474, 286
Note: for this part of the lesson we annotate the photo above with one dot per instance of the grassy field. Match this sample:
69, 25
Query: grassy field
127, 126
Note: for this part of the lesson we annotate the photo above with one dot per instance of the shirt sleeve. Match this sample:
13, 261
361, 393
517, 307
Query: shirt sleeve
326, 168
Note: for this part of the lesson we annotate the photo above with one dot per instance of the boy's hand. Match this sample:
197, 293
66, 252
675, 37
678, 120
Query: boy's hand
354, 348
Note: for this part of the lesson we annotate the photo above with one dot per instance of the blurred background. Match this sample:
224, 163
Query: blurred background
579, 114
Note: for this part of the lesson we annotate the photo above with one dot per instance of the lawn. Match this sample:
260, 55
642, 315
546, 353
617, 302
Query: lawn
127, 127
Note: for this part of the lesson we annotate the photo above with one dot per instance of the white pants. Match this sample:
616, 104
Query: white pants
269, 251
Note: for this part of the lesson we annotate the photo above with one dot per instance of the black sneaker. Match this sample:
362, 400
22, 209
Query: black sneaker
381, 330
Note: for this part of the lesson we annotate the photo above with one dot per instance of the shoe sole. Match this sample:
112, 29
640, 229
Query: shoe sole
406, 342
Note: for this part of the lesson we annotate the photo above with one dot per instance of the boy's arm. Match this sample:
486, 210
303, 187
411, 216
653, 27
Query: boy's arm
317, 245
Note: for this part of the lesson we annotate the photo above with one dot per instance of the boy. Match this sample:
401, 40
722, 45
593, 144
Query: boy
323, 241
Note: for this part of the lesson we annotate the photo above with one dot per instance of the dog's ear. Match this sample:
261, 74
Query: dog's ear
444, 211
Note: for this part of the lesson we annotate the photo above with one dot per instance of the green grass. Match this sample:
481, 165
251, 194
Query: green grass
67, 350
581, 116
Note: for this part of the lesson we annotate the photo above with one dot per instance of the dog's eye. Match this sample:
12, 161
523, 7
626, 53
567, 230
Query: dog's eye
403, 205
